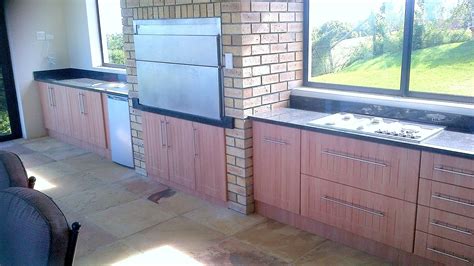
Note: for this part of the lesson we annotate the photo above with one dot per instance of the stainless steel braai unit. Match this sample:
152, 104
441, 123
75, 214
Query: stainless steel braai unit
179, 65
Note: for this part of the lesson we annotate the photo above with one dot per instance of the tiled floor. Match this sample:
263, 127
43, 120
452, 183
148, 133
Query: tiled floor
121, 226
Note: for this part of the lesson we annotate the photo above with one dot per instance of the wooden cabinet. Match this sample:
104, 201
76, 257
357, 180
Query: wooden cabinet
187, 154
387, 220
55, 106
384, 169
210, 161
277, 166
443, 250
447, 169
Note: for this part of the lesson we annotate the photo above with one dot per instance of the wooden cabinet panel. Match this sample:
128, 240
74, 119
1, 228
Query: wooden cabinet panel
210, 161
388, 170
380, 218
443, 250
277, 166
75, 110
155, 143
93, 118
62, 110
446, 197
447, 225
447, 169
47, 105
180, 135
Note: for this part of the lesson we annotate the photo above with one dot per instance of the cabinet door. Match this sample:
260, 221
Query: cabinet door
75, 111
156, 146
210, 161
47, 105
181, 154
61, 109
93, 118
277, 166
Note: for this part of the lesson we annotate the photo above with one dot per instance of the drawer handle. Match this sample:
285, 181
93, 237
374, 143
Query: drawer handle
442, 169
451, 227
353, 206
274, 141
345, 156
448, 254
457, 200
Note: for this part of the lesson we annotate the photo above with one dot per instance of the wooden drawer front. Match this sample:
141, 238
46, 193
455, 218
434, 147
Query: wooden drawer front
447, 169
384, 169
446, 225
443, 250
277, 166
446, 197
387, 220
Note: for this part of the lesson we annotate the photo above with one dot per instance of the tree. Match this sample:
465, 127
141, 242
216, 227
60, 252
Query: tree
418, 27
115, 48
380, 27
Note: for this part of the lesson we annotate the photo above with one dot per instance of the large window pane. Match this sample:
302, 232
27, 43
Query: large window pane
356, 42
443, 47
110, 19
4, 118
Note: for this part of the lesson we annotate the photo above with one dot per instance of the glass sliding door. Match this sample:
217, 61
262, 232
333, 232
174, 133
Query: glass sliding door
9, 117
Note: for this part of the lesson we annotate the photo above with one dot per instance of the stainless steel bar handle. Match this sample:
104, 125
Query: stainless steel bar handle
441, 169
196, 144
274, 141
451, 227
50, 101
349, 205
83, 104
340, 155
163, 144
53, 96
80, 103
435, 250
453, 199
167, 136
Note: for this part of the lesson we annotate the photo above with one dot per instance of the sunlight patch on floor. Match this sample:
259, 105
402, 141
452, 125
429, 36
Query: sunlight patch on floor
42, 184
164, 255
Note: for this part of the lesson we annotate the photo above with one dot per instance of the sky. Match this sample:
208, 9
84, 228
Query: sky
111, 18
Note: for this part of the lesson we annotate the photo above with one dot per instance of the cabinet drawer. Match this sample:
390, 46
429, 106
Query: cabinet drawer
446, 197
447, 169
443, 250
380, 218
444, 224
277, 166
384, 169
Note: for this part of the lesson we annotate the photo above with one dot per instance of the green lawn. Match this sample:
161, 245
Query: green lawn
446, 69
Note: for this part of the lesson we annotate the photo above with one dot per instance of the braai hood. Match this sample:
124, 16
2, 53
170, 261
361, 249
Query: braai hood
179, 65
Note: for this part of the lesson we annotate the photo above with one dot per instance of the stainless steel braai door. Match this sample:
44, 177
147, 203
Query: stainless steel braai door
178, 65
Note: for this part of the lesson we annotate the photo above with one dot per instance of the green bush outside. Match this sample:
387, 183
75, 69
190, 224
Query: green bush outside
115, 48
4, 119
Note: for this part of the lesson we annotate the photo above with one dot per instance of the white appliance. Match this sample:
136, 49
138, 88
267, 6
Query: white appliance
120, 130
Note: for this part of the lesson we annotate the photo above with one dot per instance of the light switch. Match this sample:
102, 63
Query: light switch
40, 35
229, 61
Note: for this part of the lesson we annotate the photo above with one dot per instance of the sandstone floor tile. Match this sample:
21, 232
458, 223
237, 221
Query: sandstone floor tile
17, 149
44, 144
128, 218
224, 220
94, 200
180, 203
88, 161
178, 233
107, 255
112, 173
34, 159
72, 184
281, 240
235, 252
142, 186
64, 152
91, 237
332, 253
52, 171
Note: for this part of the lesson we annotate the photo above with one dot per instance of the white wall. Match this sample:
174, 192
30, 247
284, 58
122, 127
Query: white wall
24, 18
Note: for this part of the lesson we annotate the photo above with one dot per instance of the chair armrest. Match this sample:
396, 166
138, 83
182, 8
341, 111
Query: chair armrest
71, 248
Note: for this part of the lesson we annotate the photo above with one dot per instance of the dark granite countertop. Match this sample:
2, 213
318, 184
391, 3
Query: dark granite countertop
446, 142
113, 84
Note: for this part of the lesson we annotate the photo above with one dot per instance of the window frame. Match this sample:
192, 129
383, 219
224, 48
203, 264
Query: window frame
99, 28
404, 88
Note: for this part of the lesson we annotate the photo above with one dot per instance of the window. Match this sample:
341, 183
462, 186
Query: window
418, 48
110, 29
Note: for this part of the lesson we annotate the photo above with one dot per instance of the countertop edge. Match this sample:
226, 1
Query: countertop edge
225, 122
417, 146
58, 82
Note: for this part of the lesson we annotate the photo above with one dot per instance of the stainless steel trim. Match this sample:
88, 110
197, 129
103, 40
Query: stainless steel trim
194, 26
457, 200
163, 144
196, 144
274, 141
167, 139
353, 206
53, 96
80, 102
340, 155
435, 250
50, 101
441, 169
83, 104
451, 227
